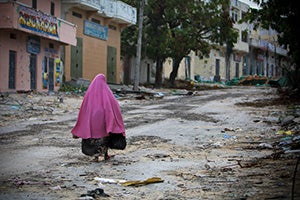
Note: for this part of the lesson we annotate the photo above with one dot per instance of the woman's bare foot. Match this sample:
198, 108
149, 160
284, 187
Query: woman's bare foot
96, 159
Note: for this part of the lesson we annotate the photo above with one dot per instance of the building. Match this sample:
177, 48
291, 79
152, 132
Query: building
99, 25
256, 52
31, 36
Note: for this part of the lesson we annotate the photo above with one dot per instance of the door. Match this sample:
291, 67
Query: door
76, 59
111, 64
217, 77
187, 68
12, 70
237, 70
32, 69
217, 67
51, 74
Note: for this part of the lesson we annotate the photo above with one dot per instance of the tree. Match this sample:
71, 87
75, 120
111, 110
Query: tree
128, 49
196, 26
128, 44
283, 17
139, 46
174, 28
156, 35
227, 35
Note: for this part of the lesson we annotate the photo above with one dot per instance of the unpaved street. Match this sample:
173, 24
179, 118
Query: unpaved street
213, 144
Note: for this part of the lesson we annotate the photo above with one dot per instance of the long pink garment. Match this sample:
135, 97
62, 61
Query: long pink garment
99, 113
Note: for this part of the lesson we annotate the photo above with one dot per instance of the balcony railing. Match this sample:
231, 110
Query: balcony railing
117, 10
267, 46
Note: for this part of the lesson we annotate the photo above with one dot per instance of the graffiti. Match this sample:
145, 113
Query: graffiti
37, 21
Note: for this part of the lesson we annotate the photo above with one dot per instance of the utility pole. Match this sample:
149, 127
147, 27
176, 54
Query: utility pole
139, 47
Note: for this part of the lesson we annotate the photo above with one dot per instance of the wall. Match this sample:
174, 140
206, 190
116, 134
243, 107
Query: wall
22, 60
94, 49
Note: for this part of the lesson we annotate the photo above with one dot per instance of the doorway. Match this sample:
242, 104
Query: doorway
76, 59
32, 69
111, 64
12, 70
48, 74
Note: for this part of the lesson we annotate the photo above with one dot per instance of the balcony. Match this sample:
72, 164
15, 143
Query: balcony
121, 11
241, 47
89, 5
116, 10
26, 19
267, 46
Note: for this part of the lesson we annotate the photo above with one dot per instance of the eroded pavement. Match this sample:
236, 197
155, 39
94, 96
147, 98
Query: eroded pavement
213, 144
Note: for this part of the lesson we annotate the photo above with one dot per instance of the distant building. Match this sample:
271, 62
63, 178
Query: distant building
99, 25
256, 52
31, 34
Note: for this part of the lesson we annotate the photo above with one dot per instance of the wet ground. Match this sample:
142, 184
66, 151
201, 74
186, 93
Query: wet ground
212, 144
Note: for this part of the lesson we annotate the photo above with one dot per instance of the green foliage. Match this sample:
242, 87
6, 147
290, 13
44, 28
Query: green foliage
128, 42
173, 28
282, 16
129, 35
72, 88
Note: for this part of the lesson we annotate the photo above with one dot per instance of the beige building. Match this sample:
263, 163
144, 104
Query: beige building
255, 53
99, 25
31, 36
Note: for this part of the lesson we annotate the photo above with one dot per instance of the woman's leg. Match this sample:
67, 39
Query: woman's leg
106, 156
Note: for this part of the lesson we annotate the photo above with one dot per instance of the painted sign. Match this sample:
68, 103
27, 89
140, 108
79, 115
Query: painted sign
95, 30
37, 21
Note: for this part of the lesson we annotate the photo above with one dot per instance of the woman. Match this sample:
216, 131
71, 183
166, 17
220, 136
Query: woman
99, 116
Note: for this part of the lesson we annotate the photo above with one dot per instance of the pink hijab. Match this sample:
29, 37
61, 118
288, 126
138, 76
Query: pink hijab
99, 113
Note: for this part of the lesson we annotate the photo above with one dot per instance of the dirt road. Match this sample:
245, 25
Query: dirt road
214, 144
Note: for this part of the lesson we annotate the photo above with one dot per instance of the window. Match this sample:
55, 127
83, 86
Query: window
112, 27
244, 14
52, 9
34, 4
234, 16
244, 36
76, 14
12, 36
236, 2
51, 45
96, 21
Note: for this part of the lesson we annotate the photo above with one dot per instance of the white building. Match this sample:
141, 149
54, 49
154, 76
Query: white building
256, 53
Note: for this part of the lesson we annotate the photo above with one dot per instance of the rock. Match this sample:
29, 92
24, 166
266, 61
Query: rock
287, 120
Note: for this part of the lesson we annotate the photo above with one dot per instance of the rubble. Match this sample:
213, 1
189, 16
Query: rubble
215, 144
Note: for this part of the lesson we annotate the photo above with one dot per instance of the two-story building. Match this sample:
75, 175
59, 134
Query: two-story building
31, 36
99, 25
